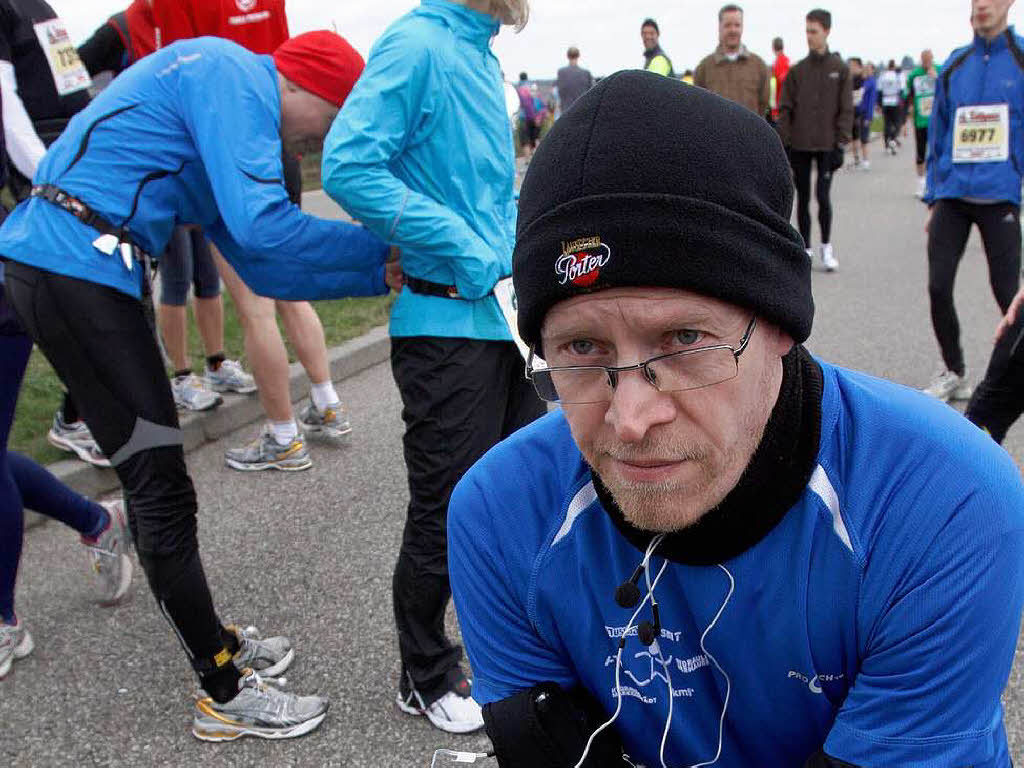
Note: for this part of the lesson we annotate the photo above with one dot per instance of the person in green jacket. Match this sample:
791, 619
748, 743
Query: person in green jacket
921, 94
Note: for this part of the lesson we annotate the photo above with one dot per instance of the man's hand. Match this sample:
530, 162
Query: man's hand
1011, 314
928, 220
393, 277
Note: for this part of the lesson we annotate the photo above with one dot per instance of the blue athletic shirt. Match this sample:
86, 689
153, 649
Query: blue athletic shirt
879, 618
190, 135
984, 73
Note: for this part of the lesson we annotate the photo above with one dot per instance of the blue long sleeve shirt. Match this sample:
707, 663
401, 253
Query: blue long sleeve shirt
190, 135
422, 154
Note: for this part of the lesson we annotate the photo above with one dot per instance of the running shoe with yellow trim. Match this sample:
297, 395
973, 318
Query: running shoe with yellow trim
260, 709
266, 453
332, 422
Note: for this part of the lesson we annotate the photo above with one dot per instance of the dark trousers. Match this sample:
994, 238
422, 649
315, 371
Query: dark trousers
999, 224
891, 121
998, 400
459, 398
802, 162
100, 343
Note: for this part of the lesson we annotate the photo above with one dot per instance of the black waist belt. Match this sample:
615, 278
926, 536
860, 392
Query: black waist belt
429, 288
83, 213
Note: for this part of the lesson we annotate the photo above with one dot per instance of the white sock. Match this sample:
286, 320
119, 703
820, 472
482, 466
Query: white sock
324, 394
285, 432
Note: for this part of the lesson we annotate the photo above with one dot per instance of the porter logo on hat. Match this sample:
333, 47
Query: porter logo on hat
581, 261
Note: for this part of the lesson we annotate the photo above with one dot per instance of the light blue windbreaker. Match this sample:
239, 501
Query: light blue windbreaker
190, 135
422, 154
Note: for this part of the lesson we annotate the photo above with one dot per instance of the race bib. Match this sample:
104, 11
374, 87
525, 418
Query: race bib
981, 134
858, 97
924, 106
69, 73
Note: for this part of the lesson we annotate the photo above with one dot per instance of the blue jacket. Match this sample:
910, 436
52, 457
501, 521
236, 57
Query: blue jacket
190, 135
422, 154
878, 618
984, 72
866, 109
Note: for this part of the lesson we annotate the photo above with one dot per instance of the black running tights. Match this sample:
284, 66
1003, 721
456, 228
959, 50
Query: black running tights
999, 224
101, 346
802, 178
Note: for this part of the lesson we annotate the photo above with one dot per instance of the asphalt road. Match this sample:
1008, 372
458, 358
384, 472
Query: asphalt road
311, 554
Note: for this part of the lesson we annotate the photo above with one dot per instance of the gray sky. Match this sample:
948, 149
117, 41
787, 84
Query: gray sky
607, 32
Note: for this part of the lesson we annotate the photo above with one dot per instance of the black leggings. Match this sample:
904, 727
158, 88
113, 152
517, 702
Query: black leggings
891, 117
999, 399
100, 344
802, 177
999, 224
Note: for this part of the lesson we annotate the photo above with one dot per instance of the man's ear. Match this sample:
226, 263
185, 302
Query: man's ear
780, 342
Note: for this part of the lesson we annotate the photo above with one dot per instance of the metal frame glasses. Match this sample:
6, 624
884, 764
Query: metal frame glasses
673, 372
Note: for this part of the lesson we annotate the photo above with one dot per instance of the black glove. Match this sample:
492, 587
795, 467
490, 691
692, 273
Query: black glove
837, 157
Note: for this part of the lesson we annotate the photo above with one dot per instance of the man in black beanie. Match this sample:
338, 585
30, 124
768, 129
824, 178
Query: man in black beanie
720, 550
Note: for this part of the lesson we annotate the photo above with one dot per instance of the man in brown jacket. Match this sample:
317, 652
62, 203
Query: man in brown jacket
732, 71
815, 124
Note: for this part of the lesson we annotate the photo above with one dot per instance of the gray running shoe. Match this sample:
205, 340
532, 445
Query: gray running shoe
15, 643
191, 395
332, 422
230, 377
260, 710
77, 439
266, 453
268, 656
108, 555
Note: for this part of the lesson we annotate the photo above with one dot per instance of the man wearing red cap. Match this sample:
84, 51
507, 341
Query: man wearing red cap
191, 134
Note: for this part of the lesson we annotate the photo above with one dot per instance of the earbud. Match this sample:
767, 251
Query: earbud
648, 631
627, 594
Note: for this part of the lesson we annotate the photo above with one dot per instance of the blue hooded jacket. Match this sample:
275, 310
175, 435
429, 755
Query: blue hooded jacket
190, 135
986, 72
422, 154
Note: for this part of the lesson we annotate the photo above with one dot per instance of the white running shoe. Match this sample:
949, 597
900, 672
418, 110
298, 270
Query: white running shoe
108, 556
922, 186
455, 712
948, 386
191, 394
229, 377
77, 439
15, 643
865, 165
828, 259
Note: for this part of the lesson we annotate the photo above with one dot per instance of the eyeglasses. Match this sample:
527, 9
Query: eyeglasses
674, 372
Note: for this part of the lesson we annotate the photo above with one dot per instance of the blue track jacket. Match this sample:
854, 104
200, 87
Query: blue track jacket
190, 135
422, 154
982, 73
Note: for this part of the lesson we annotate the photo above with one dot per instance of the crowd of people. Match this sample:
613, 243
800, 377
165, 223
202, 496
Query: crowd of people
705, 497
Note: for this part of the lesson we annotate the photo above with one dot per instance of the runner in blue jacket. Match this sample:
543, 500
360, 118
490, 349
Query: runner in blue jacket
192, 134
719, 550
422, 154
975, 157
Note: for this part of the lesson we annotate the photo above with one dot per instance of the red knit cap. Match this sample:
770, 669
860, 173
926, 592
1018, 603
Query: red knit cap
320, 62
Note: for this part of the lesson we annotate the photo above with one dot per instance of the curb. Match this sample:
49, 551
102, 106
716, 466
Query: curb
345, 360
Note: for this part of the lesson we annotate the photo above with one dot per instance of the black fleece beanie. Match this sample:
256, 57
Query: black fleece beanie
648, 181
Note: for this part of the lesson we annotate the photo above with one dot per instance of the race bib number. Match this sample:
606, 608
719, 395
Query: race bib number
69, 73
981, 134
858, 97
924, 106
